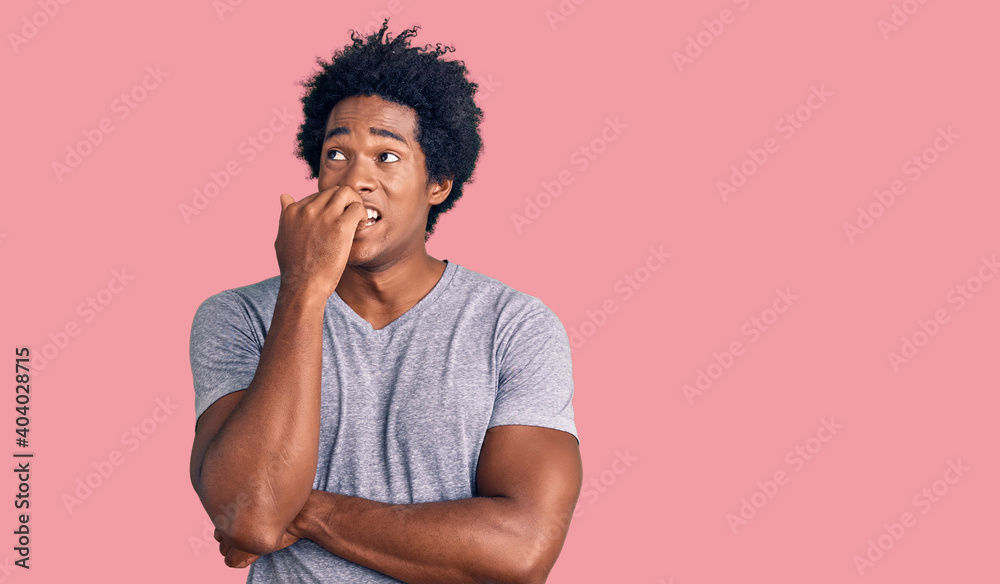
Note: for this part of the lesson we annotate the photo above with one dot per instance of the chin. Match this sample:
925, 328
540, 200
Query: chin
363, 257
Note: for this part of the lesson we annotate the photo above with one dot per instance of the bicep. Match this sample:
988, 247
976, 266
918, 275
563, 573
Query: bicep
540, 471
206, 428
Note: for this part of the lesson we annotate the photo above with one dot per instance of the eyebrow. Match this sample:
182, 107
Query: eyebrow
342, 130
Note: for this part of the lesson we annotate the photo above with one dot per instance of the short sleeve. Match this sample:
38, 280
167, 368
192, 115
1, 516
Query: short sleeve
535, 385
225, 349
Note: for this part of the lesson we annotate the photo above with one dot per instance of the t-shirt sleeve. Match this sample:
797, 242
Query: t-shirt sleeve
535, 386
225, 349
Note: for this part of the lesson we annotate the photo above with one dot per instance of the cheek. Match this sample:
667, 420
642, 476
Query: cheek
325, 178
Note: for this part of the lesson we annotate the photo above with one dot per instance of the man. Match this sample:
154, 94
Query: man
374, 414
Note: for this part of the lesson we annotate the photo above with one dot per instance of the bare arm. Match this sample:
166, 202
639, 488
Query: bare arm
255, 451
529, 479
254, 460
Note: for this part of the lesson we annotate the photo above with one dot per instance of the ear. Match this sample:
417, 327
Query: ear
438, 192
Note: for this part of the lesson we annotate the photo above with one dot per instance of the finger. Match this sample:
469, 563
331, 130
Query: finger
288, 539
321, 199
287, 200
239, 559
356, 208
342, 199
217, 535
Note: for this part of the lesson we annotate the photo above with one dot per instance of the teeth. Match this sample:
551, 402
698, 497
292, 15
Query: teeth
372, 214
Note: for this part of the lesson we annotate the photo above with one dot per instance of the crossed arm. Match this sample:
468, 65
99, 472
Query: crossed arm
255, 482
529, 479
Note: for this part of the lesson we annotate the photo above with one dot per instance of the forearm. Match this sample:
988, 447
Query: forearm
481, 539
259, 469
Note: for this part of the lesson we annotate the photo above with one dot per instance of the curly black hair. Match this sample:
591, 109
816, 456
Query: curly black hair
438, 90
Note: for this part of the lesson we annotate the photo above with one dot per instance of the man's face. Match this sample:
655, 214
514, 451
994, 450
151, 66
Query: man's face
371, 147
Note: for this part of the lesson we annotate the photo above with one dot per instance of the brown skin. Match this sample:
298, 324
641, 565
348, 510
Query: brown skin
255, 480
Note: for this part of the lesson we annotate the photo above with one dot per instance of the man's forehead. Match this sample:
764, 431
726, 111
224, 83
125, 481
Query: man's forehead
374, 115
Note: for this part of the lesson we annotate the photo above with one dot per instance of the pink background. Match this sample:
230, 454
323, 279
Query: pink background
548, 89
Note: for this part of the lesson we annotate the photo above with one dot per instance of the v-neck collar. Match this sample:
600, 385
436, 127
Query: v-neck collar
366, 327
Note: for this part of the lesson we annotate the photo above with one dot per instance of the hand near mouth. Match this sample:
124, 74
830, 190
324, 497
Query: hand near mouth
314, 239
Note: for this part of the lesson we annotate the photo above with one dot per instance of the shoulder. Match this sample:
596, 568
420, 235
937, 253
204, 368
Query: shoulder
255, 301
512, 309
482, 289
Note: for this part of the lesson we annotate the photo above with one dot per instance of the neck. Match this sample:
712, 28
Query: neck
390, 288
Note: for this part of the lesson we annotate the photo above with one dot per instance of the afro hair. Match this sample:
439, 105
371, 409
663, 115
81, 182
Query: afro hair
438, 91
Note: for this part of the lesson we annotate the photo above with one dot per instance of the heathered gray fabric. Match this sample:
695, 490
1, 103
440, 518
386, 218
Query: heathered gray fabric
404, 408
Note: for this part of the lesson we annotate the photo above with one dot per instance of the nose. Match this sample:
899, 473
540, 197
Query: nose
359, 175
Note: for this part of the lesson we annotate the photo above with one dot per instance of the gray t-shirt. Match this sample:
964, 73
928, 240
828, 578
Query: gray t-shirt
405, 408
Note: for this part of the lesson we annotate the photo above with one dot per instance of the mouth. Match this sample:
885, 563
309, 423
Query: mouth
373, 216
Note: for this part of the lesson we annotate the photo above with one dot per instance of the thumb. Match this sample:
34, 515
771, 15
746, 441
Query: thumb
286, 200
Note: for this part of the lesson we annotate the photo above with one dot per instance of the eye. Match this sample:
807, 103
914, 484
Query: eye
389, 154
332, 151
